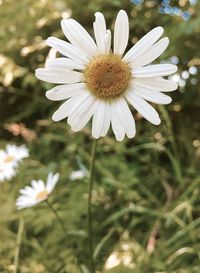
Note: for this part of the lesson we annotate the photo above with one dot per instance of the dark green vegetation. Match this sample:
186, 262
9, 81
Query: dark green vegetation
146, 201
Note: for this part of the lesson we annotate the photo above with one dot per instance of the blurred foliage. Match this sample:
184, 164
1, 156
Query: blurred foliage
147, 195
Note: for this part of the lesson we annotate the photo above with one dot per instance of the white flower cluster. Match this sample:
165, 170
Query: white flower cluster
10, 159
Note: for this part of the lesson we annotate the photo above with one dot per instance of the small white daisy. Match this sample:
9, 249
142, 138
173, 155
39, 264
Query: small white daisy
9, 159
7, 171
37, 192
100, 83
77, 175
15, 154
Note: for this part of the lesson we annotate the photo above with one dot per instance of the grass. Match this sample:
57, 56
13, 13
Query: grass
143, 198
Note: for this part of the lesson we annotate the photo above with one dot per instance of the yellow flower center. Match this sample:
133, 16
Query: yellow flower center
41, 196
107, 76
9, 159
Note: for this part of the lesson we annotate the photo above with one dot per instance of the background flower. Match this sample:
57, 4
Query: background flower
77, 175
16, 152
9, 160
37, 193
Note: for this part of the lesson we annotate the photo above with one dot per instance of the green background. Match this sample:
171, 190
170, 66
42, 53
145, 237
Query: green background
146, 192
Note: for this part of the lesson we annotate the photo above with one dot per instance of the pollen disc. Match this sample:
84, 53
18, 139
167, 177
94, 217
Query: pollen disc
107, 76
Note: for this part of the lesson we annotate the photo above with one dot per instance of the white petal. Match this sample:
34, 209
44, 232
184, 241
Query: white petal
67, 50
82, 114
98, 119
82, 106
153, 53
117, 127
52, 76
69, 106
156, 83
34, 184
107, 118
144, 108
108, 41
25, 199
38, 185
126, 117
79, 37
100, 31
29, 189
152, 95
143, 44
154, 70
26, 192
52, 180
21, 204
121, 32
63, 92
63, 63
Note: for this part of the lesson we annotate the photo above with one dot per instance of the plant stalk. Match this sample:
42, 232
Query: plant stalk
18, 244
91, 182
56, 215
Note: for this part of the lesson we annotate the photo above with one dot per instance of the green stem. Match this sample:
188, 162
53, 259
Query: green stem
91, 180
18, 244
56, 215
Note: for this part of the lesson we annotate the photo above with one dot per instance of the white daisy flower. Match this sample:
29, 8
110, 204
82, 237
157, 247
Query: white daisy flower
37, 192
100, 83
15, 154
77, 175
9, 159
7, 170
6, 173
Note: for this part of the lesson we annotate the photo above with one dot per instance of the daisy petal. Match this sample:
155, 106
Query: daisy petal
23, 199
38, 185
82, 114
26, 204
79, 37
100, 31
121, 32
108, 41
29, 189
67, 50
155, 83
152, 95
126, 118
63, 63
143, 44
52, 180
69, 106
117, 127
154, 70
63, 92
27, 193
98, 119
144, 108
107, 116
153, 53
62, 76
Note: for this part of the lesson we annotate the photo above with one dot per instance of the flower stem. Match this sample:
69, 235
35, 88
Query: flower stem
18, 243
91, 179
56, 215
